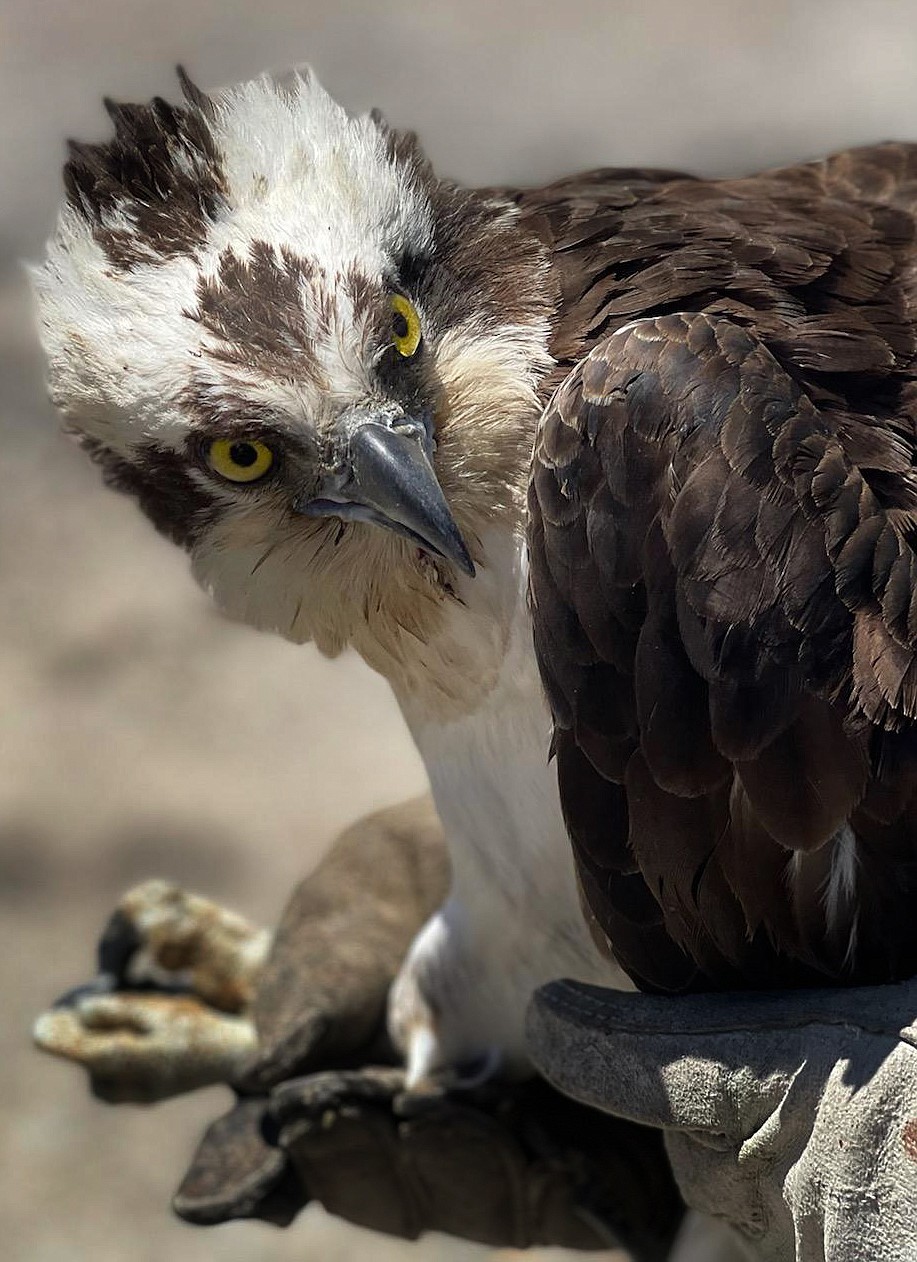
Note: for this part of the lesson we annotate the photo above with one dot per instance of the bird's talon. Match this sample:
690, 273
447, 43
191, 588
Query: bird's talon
432, 1090
118, 944
101, 984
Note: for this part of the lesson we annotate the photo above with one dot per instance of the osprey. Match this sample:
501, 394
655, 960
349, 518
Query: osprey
323, 371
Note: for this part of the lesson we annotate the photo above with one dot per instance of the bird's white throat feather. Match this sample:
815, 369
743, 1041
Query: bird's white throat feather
513, 920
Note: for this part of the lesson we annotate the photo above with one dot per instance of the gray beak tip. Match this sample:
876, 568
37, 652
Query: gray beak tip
463, 560
391, 477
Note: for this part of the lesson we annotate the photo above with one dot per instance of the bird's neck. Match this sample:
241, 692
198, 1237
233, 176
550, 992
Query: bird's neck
448, 674
485, 742
486, 753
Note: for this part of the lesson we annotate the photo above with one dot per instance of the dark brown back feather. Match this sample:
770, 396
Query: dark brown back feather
724, 577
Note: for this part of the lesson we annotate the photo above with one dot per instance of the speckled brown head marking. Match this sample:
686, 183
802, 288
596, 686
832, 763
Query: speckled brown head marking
482, 267
162, 171
254, 307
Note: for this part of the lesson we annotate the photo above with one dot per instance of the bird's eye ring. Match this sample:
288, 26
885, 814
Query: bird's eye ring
406, 331
239, 459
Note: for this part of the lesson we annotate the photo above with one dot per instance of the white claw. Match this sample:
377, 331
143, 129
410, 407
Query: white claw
423, 1058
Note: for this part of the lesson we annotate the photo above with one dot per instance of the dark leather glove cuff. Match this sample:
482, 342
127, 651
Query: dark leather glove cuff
505, 1166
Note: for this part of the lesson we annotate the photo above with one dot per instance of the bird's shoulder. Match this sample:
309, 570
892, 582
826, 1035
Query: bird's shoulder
816, 257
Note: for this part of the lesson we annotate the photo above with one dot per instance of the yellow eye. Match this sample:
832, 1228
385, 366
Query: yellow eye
239, 459
405, 326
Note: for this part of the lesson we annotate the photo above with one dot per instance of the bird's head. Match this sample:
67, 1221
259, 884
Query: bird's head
313, 362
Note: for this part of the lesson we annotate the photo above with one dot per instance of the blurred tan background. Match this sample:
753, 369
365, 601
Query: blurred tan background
140, 734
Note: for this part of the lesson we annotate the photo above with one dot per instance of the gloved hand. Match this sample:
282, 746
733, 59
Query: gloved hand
320, 1113
791, 1116
321, 999
503, 1165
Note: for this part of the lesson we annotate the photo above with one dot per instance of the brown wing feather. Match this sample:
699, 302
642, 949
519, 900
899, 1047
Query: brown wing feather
723, 591
814, 258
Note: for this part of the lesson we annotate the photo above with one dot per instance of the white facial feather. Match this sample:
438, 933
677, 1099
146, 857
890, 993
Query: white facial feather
114, 345
231, 283
301, 173
298, 174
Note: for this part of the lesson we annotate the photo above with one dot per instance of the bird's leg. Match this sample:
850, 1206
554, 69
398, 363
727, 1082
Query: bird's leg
166, 1011
440, 1011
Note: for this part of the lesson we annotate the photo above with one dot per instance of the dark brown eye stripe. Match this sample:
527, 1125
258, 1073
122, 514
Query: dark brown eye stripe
177, 505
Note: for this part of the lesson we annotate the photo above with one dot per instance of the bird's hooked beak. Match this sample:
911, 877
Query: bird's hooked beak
380, 471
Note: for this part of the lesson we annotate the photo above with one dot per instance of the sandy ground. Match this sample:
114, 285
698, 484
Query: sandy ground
141, 734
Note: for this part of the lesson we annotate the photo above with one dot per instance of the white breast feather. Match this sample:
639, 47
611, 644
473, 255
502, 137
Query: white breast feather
513, 920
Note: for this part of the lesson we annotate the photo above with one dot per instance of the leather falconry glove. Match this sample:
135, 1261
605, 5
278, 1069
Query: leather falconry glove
328, 1119
505, 1165
792, 1116
181, 986
320, 1115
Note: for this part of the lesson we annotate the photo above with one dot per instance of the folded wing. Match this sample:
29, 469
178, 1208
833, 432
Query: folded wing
724, 593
